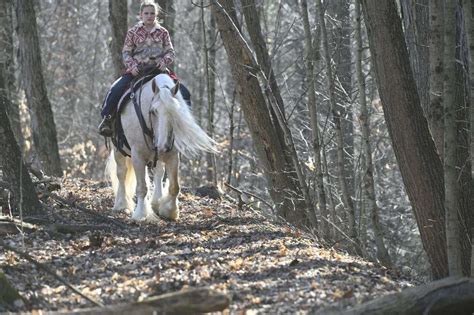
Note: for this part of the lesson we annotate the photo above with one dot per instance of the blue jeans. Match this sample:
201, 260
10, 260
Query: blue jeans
116, 91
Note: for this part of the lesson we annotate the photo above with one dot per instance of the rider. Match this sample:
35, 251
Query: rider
147, 44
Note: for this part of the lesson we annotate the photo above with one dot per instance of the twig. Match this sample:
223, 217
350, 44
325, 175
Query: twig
91, 212
49, 271
249, 194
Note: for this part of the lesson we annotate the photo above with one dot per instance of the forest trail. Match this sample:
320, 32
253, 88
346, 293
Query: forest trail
261, 265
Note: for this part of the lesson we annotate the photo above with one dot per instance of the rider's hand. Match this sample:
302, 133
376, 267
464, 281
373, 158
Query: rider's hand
135, 71
160, 64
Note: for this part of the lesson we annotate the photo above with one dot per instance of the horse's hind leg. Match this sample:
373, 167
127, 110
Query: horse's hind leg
143, 208
125, 185
168, 205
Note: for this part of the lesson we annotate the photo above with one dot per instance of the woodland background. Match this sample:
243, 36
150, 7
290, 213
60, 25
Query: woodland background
319, 148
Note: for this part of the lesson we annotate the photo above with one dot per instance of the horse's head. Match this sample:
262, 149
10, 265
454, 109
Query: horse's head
165, 101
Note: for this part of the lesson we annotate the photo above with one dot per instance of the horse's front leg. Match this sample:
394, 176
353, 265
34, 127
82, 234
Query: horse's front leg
143, 208
123, 189
168, 205
158, 174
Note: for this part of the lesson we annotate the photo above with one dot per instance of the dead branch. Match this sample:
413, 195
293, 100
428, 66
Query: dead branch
47, 270
243, 192
194, 301
90, 212
446, 296
75, 228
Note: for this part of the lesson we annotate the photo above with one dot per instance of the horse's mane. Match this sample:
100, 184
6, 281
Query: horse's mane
173, 116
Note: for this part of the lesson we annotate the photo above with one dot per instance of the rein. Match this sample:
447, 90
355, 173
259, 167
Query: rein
137, 105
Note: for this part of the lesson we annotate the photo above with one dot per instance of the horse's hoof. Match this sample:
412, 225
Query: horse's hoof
170, 215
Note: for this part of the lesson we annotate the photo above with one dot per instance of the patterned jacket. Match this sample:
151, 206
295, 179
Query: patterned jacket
144, 47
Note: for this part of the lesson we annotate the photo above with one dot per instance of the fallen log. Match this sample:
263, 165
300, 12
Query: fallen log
194, 301
14, 226
447, 296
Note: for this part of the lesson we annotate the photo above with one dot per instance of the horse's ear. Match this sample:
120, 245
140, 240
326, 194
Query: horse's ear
175, 89
154, 87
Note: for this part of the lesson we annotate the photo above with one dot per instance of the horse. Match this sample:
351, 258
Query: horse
175, 132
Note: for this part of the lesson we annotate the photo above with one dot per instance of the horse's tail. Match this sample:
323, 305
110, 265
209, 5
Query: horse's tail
177, 121
111, 173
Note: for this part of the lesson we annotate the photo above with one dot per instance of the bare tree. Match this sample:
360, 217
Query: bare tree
42, 120
368, 174
6, 59
414, 148
11, 161
168, 13
436, 50
209, 54
311, 58
118, 21
468, 11
336, 116
283, 178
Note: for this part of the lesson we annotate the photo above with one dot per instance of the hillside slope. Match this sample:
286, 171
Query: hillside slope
261, 265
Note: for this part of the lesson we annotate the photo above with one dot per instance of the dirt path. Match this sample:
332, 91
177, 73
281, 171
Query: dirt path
261, 265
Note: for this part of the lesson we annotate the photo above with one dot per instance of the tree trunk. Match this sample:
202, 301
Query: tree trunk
414, 148
451, 187
43, 127
312, 57
416, 20
11, 161
252, 20
118, 22
282, 181
345, 193
368, 175
210, 68
436, 51
469, 16
168, 13
344, 99
6, 61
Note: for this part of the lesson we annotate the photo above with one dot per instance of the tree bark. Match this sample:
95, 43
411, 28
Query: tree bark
451, 186
11, 162
210, 68
283, 183
414, 148
368, 174
43, 127
447, 296
469, 14
7, 62
118, 21
436, 51
252, 20
416, 20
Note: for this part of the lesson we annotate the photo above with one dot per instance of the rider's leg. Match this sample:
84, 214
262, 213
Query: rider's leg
110, 104
185, 93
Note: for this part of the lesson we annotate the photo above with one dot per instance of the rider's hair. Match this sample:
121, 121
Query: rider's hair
149, 3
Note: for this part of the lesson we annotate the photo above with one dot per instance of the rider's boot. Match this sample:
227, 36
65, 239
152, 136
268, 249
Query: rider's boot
105, 127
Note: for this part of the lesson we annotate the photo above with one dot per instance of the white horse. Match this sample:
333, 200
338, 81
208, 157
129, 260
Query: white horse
167, 114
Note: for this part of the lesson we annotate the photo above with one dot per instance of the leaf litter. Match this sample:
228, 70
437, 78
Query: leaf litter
262, 265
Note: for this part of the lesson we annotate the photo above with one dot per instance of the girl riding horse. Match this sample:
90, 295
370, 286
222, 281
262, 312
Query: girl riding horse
147, 45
